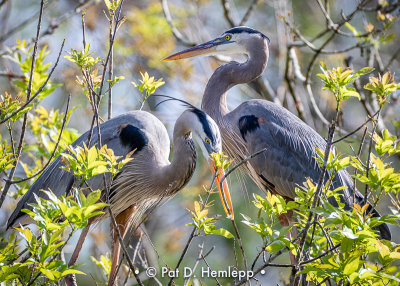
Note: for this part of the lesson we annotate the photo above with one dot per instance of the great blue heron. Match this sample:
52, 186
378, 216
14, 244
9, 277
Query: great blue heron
149, 177
258, 124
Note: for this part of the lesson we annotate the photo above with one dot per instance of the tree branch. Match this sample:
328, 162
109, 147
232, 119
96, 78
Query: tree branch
40, 88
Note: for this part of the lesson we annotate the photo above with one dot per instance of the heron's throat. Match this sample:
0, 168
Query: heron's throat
177, 174
231, 74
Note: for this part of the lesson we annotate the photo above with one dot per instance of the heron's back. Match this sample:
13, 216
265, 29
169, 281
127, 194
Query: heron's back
60, 182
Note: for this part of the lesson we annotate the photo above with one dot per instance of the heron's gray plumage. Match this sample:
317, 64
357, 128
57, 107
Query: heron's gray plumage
290, 143
150, 176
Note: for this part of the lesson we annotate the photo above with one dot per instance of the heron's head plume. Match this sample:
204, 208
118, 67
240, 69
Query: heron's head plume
200, 124
196, 121
237, 40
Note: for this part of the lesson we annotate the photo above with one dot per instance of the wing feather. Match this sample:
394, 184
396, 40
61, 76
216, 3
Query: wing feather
61, 182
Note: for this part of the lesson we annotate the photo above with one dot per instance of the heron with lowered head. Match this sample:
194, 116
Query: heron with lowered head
257, 124
143, 181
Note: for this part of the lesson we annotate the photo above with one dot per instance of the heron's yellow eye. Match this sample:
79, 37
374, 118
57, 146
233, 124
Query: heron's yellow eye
207, 141
227, 37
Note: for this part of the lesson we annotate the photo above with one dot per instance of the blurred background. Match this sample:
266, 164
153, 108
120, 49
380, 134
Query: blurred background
339, 32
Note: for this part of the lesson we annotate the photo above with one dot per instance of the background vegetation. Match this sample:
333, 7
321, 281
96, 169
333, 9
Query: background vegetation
86, 55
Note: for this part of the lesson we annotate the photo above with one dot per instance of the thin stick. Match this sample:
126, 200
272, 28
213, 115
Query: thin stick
178, 35
241, 163
205, 261
357, 129
240, 243
369, 156
226, 7
248, 13
40, 88
110, 67
23, 129
316, 197
187, 280
117, 22
54, 150
29, 90
192, 234
289, 80
121, 241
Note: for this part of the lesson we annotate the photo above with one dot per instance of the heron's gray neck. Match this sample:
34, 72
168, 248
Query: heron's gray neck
183, 164
176, 175
231, 74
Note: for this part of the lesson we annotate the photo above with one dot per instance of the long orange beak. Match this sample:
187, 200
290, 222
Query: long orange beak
224, 194
198, 50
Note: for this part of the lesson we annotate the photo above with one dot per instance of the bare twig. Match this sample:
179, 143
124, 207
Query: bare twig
19, 27
29, 89
316, 197
366, 195
208, 265
124, 249
231, 215
40, 88
83, 28
201, 247
394, 56
192, 234
289, 80
54, 150
321, 255
264, 88
358, 157
3, 2
267, 264
133, 258
118, 20
226, 7
54, 24
11, 75
357, 129
110, 66
315, 106
241, 163
248, 13
330, 23
178, 35
240, 243
24, 123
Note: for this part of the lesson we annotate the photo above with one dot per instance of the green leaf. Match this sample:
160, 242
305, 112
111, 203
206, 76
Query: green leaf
275, 246
364, 71
223, 232
72, 271
347, 244
351, 265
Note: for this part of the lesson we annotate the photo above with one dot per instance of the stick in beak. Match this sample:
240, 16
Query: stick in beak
224, 193
198, 50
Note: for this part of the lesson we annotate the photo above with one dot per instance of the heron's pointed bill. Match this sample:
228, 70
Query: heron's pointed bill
202, 49
224, 192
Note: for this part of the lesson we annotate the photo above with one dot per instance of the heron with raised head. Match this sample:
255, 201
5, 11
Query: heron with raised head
143, 181
257, 124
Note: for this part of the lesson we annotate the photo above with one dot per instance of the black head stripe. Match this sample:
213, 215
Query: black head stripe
244, 29
204, 122
133, 137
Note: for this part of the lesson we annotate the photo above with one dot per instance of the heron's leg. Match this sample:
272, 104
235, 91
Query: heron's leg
79, 245
285, 219
70, 280
123, 221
